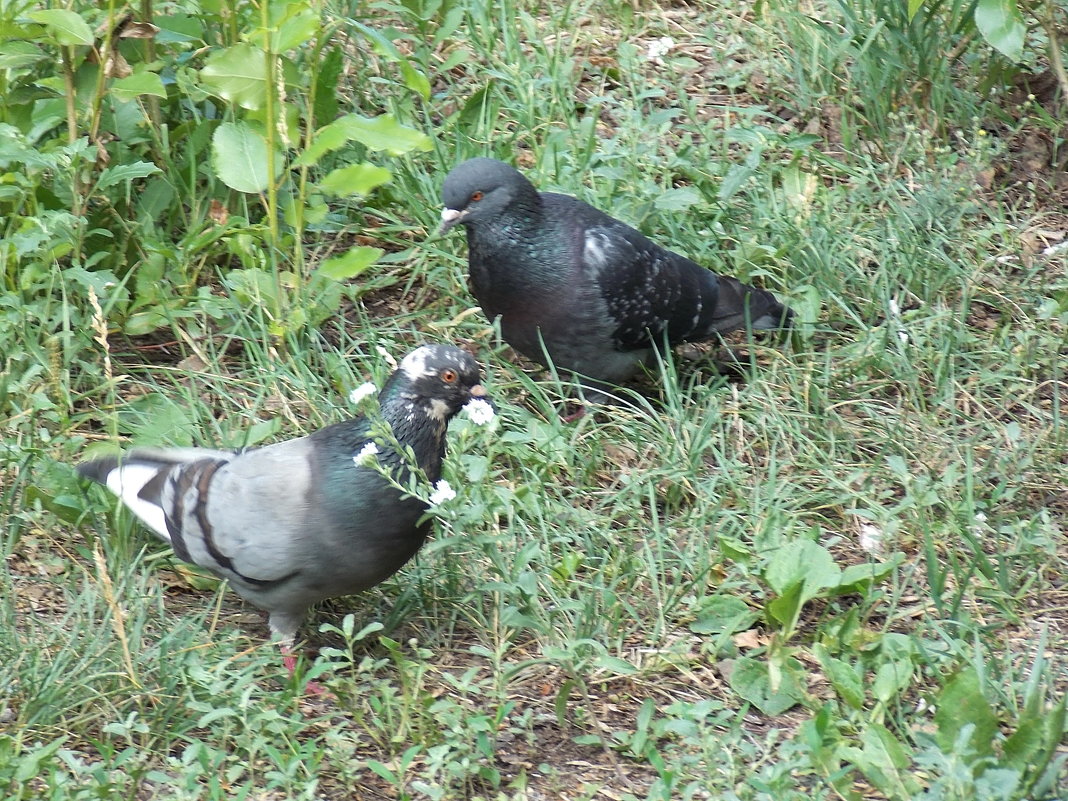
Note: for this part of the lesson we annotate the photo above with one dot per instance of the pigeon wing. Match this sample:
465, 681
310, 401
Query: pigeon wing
648, 291
249, 519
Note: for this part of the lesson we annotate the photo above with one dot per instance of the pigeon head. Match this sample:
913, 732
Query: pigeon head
481, 189
439, 379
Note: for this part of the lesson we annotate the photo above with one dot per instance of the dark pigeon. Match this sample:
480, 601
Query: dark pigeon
296, 522
589, 291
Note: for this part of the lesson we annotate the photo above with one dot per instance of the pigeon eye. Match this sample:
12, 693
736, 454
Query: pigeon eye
449, 376
476, 196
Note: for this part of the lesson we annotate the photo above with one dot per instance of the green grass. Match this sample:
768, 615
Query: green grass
666, 600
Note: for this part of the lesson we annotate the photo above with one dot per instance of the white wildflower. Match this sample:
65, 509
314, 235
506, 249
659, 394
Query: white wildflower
442, 492
871, 538
364, 390
480, 411
366, 455
895, 312
385, 354
658, 48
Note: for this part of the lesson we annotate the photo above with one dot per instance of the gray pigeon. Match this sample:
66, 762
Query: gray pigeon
296, 522
568, 280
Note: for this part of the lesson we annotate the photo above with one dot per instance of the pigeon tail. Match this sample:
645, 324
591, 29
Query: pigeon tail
98, 469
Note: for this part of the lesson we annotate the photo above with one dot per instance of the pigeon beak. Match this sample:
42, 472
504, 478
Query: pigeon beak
449, 218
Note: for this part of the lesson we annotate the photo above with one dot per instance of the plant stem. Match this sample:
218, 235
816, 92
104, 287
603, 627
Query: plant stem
271, 134
1056, 61
152, 102
104, 59
68, 84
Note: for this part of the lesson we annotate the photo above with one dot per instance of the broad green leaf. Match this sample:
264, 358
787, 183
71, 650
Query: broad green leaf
734, 549
1024, 744
415, 80
1002, 25
798, 572
786, 608
329, 137
723, 614
380, 44
104, 283
67, 27
614, 665
141, 83
962, 702
145, 321
239, 157
358, 179
750, 680
237, 74
196, 577
798, 187
801, 141
323, 300
858, 578
382, 771
326, 81
678, 199
125, 172
891, 678
843, 677
914, 6
457, 57
735, 178
384, 133
448, 25
300, 26
253, 286
350, 264
806, 300
29, 765
377, 133
1033, 744
802, 562
257, 432
16, 55
179, 28
476, 106
885, 762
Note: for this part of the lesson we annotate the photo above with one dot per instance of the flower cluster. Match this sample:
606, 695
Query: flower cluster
364, 390
442, 493
479, 411
366, 456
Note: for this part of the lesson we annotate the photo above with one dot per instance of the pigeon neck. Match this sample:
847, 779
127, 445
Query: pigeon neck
515, 221
417, 423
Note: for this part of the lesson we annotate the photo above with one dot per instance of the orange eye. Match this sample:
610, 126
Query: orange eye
449, 376
476, 196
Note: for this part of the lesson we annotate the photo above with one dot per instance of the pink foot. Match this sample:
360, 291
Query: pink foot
312, 687
575, 415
